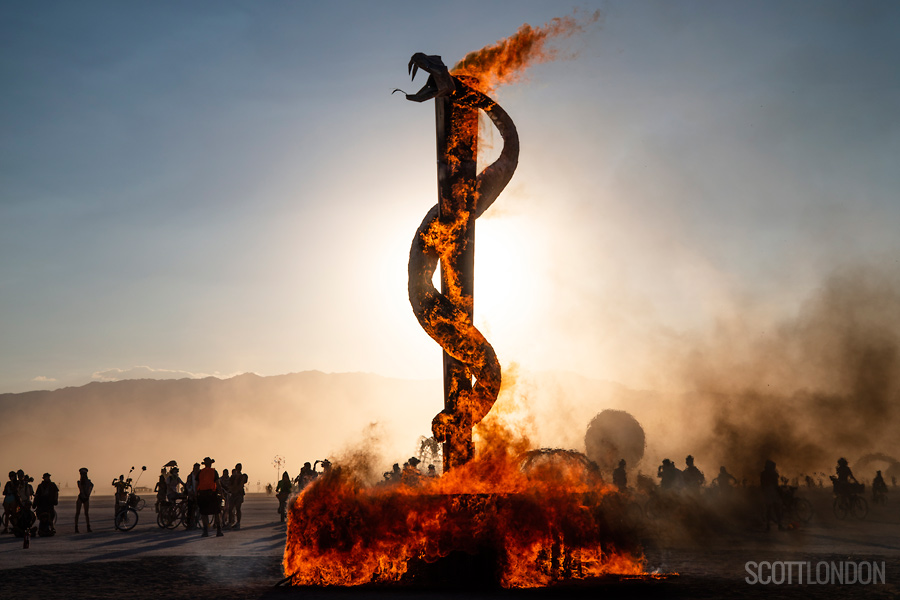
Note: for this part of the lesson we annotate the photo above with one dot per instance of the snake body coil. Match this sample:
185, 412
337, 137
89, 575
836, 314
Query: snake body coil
447, 317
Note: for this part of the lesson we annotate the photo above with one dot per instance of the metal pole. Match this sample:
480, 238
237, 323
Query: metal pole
457, 140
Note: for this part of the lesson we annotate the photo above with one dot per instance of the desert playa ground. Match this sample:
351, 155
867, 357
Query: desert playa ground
149, 562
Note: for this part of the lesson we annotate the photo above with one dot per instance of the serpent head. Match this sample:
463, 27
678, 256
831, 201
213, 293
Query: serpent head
439, 83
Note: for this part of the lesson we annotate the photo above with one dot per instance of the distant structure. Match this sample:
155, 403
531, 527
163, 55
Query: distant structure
613, 435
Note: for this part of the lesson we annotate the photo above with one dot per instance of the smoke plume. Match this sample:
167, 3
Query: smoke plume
506, 60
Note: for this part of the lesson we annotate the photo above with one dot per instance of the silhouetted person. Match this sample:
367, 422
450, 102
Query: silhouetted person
23, 519
725, 480
174, 485
225, 491
10, 499
190, 493
411, 474
396, 473
121, 493
879, 488
692, 476
620, 477
85, 487
24, 489
844, 474
208, 496
768, 484
46, 497
432, 472
670, 476
306, 476
160, 489
326, 466
283, 492
238, 481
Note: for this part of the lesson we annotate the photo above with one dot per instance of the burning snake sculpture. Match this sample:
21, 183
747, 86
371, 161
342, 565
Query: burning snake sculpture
446, 235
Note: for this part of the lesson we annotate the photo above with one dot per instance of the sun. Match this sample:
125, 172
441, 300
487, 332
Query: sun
509, 293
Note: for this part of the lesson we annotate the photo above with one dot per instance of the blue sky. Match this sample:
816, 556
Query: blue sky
215, 188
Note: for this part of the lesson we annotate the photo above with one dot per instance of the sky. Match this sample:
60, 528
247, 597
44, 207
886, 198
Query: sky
192, 189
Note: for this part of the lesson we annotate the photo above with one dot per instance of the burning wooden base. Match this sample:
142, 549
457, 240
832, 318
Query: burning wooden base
343, 533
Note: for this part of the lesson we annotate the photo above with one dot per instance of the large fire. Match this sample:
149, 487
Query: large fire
531, 518
537, 522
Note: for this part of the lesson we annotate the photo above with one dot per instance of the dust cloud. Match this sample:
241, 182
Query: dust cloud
802, 390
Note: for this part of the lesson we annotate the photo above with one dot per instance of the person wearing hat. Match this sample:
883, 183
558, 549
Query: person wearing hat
85, 487
45, 498
208, 496
174, 485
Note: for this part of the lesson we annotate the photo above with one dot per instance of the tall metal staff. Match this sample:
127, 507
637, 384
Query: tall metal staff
447, 236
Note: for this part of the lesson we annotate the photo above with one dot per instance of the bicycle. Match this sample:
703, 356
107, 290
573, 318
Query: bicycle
848, 500
796, 509
127, 511
179, 512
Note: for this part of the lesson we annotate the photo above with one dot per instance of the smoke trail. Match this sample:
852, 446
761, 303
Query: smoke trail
824, 384
505, 61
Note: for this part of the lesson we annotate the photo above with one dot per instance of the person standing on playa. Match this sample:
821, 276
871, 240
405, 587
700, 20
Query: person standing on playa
85, 487
190, 489
121, 492
225, 487
46, 497
10, 500
208, 496
174, 485
238, 481
283, 492
160, 488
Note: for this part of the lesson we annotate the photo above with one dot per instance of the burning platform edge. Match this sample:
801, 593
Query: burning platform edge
342, 533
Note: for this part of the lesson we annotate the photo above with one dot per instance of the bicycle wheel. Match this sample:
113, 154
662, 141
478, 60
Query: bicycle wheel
841, 507
802, 510
161, 519
126, 519
173, 517
859, 508
140, 504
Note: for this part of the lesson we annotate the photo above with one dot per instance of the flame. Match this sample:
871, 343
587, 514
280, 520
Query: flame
553, 521
506, 60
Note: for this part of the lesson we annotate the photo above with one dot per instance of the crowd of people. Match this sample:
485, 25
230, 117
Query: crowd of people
207, 494
776, 491
30, 510
23, 505
217, 500
408, 475
287, 486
